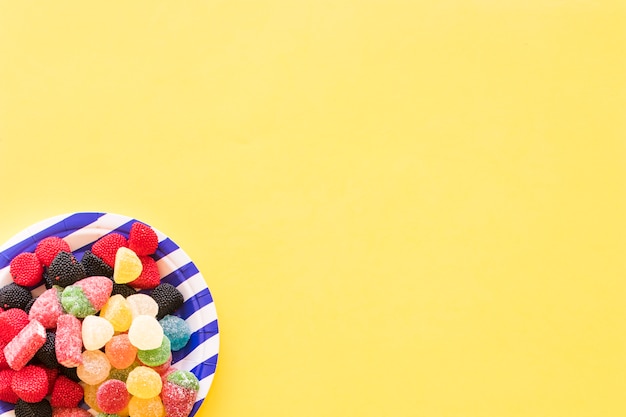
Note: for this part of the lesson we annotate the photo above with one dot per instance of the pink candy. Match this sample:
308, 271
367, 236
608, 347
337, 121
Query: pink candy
23, 347
69, 343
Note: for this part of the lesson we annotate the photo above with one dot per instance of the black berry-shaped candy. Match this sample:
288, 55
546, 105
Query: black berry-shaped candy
40, 409
69, 372
168, 298
46, 354
95, 266
123, 289
14, 296
29, 305
65, 270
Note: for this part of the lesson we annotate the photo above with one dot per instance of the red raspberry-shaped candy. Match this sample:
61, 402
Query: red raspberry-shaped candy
26, 269
49, 247
149, 277
52, 374
30, 383
66, 393
6, 392
106, 247
142, 239
12, 321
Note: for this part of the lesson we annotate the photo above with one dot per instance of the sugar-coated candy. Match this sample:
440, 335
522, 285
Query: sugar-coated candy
106, 247
68, 343
179, 393
76, 303
168, 298
95, 367
146, 407
145, 333
177, 330
30, 383
164, 367
89, 395
96, 332
120, 351
97, 289
65, 270
144, 382
47, 308
70, 412
142, 305
14, 296
39, 409
23, 347
12, 321
117, 311
127, 266
112, 396
155, 357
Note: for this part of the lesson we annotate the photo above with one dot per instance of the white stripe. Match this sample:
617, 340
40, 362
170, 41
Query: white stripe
202, 317
192, 285
205, 384
203, 351
172, 262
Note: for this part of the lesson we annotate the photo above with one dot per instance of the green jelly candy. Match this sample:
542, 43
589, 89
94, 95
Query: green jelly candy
184, 379
75, 302
156, 357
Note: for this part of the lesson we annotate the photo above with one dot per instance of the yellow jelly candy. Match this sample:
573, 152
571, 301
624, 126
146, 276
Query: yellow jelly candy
144, 382
89, 393
127, 266
146, 407
117, 311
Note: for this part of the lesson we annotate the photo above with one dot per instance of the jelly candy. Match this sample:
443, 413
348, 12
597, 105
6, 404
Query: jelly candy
120, 351
96, 332
47, 308
177, 330
23, 347
146, 407
145, 333
95, 367
179, 393
155, 357
68, 343
142, 304
117, 312
144, 382
112, 396
127, 266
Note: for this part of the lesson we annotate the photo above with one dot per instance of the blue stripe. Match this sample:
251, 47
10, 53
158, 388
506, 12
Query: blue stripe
195, 407
191, 305
61, 229
181, 274
197, 338
4, 406
206, 368
166, 246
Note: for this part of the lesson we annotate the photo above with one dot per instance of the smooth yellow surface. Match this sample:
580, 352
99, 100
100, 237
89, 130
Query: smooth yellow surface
402, 208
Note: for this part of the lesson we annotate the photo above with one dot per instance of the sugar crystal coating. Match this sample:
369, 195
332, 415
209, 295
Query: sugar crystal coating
76, 303
144, 382
178, 401
95, 367
112, 396
120, 351
96, 332
142, 304
146, 407
97, 289
12, 321
68, 342
117, 311
177, 330
47, 308
70, 412
145, 333
25, 345
156, 357
89, 395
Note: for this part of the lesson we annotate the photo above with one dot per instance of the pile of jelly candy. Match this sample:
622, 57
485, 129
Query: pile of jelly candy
101, 334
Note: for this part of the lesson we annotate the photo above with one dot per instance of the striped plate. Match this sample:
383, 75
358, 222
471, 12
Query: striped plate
81, 230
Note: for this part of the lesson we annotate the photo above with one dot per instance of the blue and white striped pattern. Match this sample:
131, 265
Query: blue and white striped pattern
81, 230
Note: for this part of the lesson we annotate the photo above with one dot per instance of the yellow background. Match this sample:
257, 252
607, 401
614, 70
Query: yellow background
402, 208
